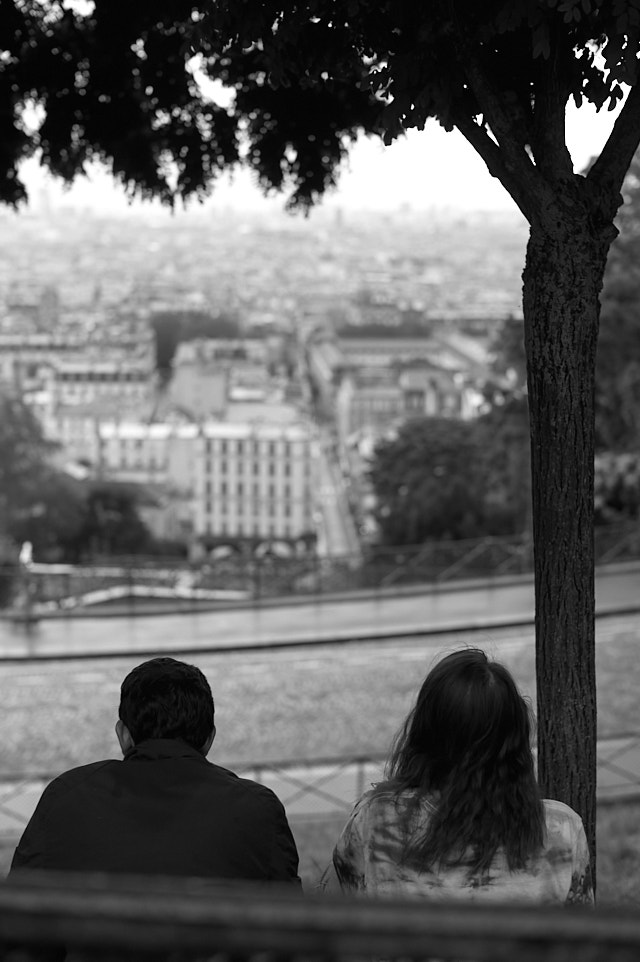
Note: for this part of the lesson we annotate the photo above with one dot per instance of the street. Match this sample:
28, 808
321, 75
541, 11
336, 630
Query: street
338, 535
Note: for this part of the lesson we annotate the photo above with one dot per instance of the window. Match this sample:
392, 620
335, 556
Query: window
223, 466
272, 449
240, 489
256, 467
223, 487
223, 446
272, 469
287, 469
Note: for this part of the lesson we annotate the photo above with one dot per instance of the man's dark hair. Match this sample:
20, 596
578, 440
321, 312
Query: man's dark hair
165, 698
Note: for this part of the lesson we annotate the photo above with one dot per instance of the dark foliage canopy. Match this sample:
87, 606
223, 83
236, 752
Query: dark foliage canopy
420, 479
118, 82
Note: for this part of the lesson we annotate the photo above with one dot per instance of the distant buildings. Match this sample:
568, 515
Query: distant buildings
219, 455
367, 383
208, 373
89, 379
24, 357
227, 480
226, 451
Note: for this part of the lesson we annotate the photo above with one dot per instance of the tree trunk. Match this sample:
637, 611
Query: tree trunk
562, 280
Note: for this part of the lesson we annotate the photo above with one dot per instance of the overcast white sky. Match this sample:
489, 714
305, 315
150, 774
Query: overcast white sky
425, 169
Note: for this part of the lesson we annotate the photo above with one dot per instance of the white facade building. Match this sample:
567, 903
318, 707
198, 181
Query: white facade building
236, 480
254, 480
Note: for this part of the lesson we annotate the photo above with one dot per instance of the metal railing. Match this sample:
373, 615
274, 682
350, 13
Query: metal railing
139, 585
183, 919
310, 788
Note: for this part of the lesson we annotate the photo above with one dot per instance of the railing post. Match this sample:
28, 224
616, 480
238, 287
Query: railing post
360, 769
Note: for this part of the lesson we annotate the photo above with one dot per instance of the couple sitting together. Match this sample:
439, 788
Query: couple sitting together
458, 816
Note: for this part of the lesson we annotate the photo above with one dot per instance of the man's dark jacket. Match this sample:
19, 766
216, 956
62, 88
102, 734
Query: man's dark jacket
163, 809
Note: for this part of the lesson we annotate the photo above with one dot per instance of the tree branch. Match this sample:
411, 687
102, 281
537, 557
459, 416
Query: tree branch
549, 142
609, 170
491, 153
522, 173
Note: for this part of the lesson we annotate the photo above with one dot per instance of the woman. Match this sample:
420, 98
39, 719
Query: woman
460, 814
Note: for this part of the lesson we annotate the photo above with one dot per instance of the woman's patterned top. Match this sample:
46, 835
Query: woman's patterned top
368, 858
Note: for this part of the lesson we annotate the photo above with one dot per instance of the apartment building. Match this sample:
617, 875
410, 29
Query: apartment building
236, 480
25, 357
207, 373
87, 379
373, 399
254, 481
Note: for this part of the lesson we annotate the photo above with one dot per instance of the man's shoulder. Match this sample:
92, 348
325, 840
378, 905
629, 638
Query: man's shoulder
76, 776
243, 786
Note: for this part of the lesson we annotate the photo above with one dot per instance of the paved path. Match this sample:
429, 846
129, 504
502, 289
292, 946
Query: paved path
383, 615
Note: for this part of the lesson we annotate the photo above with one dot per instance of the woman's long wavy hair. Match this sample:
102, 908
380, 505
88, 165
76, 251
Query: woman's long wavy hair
466, 744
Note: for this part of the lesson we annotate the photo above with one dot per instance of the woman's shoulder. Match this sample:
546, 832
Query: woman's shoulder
560, 810
387, 795
561, 818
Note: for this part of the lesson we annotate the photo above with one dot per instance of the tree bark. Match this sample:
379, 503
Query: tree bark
565, 263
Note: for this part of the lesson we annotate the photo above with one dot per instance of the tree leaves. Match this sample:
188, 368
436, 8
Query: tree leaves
421, 481
116, 84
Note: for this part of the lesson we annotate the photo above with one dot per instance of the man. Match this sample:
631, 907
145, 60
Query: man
163, 809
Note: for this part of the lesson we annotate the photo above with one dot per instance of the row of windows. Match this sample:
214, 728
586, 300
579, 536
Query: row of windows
140, 445
240, 489
257, 467
133, 460
102, 377
253, 446
257, 509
